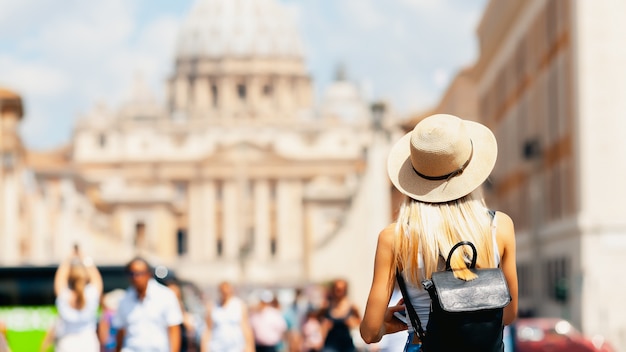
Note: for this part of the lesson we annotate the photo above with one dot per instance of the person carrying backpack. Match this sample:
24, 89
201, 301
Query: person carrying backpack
440, 166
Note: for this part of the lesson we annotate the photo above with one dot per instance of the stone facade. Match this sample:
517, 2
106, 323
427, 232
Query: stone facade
237, 176
549, 81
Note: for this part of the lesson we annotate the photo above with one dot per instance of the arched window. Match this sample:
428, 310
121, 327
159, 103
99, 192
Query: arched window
102, 140
214, 96
182, 245
241, 91
140, 234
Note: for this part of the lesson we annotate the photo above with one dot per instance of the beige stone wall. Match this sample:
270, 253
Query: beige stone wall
599, 81
525, 95
550, 71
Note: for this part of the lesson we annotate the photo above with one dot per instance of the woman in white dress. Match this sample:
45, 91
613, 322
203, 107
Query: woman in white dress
227, 326
78, 286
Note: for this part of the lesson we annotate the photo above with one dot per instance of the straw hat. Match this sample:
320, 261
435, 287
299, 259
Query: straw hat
444, 158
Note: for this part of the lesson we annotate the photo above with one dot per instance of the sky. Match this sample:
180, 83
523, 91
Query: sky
64, 56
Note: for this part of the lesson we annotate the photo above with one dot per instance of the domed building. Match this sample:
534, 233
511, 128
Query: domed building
239, 60
237, 176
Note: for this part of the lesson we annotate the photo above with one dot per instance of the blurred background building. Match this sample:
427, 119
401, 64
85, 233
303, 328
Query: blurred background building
550, 82
237, 176
240, 176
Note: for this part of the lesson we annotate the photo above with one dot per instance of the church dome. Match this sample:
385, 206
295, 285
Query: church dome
238, 28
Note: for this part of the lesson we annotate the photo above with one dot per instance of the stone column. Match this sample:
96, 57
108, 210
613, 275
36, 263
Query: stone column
194, 220
181, 92
255, 94
226, 96
261, 220
307, 241
163, 233
202, 94
209, 220
126, 226
282, 96
39, 252
232, 214
10, 244
66, 231
305, 93
290, 219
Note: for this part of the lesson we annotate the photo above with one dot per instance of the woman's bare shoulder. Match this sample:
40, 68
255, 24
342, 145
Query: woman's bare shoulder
504, 219
386, 237
505, 227
388, 232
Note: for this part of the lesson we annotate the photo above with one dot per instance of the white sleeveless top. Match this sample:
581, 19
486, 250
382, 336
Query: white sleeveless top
74, 320
419, 297
227, 335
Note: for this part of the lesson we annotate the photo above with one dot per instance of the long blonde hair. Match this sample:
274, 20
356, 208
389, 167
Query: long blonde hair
77, 281
433, 228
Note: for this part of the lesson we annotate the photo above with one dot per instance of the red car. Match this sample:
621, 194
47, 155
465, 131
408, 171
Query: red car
555, 335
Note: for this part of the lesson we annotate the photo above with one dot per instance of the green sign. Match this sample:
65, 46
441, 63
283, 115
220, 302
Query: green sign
27, 326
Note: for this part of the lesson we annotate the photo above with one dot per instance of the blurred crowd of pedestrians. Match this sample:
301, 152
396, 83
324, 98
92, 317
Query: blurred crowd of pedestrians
146, 316
265, 324
155, 316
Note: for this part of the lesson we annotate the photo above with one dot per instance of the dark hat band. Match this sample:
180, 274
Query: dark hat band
449, 175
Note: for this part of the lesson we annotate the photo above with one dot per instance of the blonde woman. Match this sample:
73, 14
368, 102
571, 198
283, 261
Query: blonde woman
78, 286
439, 166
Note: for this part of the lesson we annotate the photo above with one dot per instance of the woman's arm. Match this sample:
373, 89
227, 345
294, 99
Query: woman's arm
205, 338
104, 329
506, 232
247, 330
95, 279
354, 319
174, 337
61, 276
378, 319
120, 339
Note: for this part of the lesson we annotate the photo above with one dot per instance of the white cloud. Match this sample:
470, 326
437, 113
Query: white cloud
151, 55
412, 96
405, 47
18, 17
66, 54
441, 78
41, 125
34, 79
364, 13
76, 55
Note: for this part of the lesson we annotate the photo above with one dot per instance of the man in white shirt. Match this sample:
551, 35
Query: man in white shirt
149, 316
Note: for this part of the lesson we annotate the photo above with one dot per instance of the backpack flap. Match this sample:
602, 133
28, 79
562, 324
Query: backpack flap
488, 291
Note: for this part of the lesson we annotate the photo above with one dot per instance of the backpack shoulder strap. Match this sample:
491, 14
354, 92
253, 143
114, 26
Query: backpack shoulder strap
496, 253
415, 320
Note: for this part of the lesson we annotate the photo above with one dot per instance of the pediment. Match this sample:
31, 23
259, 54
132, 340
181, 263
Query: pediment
244, 152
